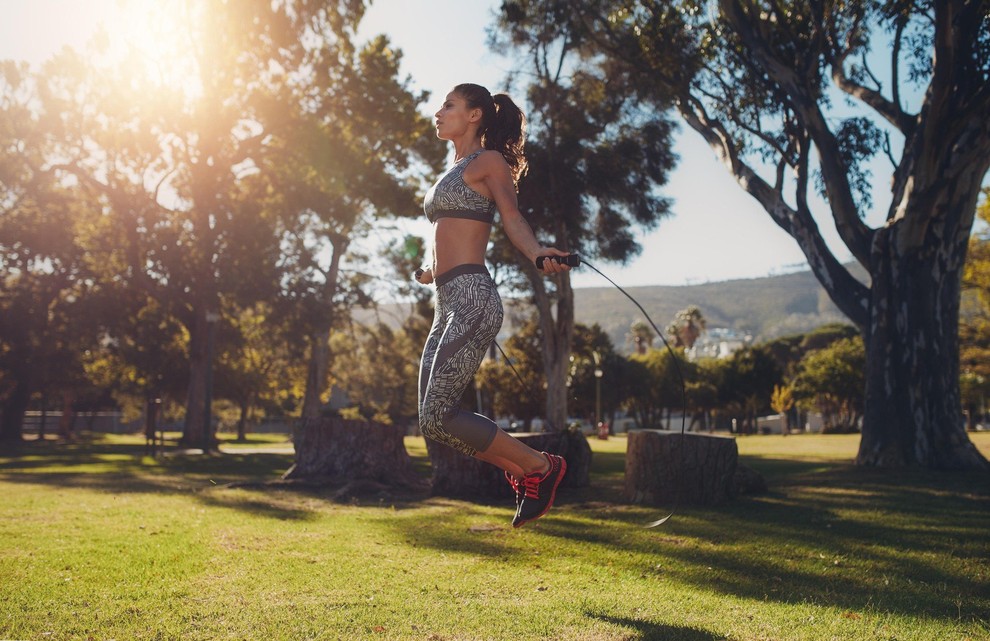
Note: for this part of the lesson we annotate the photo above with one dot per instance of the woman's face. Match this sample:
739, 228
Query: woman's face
454, 118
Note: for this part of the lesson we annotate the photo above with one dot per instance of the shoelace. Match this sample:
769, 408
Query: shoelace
532, 485
512, 481
517, 488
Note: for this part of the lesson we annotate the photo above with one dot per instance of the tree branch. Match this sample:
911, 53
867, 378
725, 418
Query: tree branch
854, 233
849, 295
888, 109
895, 64
836, 55
119, 202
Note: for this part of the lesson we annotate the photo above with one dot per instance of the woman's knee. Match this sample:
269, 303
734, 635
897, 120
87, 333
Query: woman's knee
431, 421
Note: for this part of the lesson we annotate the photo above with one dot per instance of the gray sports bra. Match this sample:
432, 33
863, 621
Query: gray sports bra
450, 197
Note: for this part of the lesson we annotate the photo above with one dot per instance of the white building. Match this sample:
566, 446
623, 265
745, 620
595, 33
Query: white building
718, 342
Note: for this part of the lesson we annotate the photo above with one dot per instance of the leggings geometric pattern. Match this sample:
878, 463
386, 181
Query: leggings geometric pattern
467, 318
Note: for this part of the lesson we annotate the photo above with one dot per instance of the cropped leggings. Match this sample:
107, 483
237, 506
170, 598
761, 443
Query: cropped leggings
467, 319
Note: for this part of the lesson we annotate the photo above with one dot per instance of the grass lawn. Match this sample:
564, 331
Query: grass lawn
98, 541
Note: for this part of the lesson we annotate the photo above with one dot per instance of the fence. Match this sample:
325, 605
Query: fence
106, 422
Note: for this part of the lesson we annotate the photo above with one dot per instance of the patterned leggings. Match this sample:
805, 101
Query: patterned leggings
467, 319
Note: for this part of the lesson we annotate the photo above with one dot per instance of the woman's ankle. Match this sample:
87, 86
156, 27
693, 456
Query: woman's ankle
543, 467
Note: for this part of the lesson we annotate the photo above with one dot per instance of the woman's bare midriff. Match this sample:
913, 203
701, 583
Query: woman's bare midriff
458, 241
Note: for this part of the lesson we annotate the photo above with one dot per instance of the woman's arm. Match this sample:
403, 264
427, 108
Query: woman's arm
498, 180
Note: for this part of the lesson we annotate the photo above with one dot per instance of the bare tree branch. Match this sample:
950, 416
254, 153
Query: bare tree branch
849, 294
855, 234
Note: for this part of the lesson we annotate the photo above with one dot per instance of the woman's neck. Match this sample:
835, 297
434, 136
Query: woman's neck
466, 146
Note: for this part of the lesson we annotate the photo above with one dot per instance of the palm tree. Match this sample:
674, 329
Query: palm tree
687, 327
641, 336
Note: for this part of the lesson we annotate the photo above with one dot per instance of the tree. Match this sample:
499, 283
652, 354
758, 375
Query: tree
255, 370
702, 392
747, 383
596, 381
782, 89
976, 278
166, 147
788, 351
781, 401
376, 368
346, 161
974, 326
44, 272
641, 336
516, 384
405, 256
142, 355
687, 327
595, 157
655, 385
831, 379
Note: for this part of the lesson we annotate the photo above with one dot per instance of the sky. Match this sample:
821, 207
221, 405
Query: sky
716, 232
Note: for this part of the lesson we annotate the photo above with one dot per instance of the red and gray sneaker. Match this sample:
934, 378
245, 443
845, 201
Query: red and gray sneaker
539, 491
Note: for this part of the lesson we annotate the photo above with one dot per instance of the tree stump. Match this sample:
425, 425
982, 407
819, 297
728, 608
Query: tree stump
665, 467
355, 454
460, 476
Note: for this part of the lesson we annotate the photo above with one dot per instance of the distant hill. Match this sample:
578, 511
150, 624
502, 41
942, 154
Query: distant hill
763, 308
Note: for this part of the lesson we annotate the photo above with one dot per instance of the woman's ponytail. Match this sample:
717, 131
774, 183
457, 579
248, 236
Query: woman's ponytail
503, 125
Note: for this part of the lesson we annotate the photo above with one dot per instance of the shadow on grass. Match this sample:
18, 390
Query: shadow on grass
907, 541
650, 631
910, 542
121, 468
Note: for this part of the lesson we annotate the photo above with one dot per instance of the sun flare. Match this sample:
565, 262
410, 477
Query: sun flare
143, 26
148, 36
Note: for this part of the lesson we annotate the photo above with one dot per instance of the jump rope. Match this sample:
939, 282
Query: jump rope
574, 260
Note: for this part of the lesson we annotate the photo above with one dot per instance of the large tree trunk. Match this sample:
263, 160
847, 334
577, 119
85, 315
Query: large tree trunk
242, 420
909, 315
12, 415
67, 422
913, 413
556, 406
195, 431
557, 337
319, 339
316, 373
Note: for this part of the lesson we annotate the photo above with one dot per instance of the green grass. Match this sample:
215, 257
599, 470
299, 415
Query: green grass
98, 541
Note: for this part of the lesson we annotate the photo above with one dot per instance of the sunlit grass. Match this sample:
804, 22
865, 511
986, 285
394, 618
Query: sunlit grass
99, 541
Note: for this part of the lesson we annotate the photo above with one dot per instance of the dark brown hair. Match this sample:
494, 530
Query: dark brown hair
503, 125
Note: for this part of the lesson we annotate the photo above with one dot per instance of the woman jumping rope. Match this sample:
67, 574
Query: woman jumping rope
487, 133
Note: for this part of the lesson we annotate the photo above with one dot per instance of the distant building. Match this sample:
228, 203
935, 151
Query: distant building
718, 342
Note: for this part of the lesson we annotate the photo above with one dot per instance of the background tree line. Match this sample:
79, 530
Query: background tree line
823, 371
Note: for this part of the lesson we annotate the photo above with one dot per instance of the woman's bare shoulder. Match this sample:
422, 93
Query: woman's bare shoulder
491, 162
